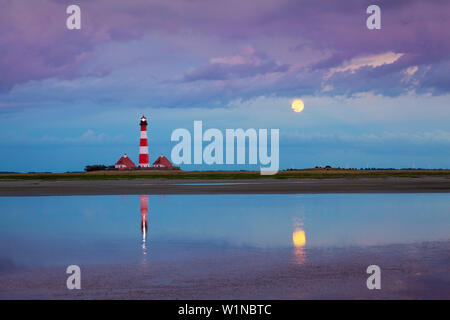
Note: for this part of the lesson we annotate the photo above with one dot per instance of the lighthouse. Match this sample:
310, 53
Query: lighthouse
143, 149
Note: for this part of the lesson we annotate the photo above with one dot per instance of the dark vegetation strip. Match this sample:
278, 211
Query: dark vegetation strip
226, 175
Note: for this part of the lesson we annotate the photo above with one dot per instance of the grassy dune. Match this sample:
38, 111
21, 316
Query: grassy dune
165, 174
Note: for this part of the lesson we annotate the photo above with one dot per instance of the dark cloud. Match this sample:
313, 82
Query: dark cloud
35, 45
223, 71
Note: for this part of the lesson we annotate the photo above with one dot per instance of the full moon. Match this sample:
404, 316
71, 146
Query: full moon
297, 105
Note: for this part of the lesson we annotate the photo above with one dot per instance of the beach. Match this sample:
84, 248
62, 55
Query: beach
422, 184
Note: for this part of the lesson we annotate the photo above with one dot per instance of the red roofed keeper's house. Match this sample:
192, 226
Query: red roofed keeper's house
124, 163
162, 162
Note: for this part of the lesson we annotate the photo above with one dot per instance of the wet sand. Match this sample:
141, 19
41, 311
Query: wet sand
408, 271
195, 186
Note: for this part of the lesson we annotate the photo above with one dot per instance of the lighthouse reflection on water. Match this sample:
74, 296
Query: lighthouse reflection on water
144, 217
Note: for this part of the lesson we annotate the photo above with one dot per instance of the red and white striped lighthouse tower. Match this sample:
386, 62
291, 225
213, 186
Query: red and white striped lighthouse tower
143, 149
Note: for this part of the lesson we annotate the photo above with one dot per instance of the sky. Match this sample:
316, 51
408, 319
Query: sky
373, 98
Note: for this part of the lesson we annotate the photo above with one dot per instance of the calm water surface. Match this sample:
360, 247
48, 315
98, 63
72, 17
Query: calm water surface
53, 231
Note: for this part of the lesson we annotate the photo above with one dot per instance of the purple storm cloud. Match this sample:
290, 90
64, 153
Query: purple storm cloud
222, 50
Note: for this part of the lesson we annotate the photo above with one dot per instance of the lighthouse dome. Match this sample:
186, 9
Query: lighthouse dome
143, 121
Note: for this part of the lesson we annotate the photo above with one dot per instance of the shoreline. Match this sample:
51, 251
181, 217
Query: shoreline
426, 184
